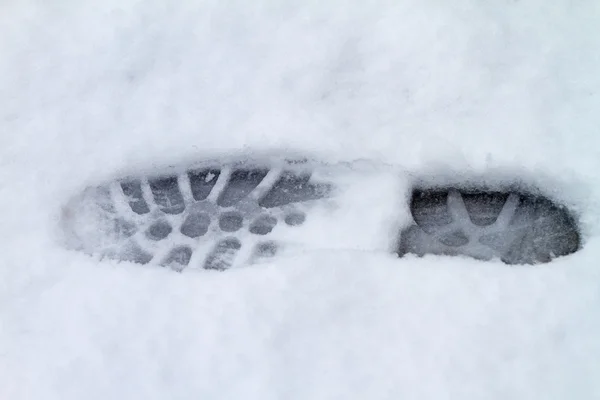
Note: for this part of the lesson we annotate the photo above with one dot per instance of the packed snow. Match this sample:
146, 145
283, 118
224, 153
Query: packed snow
431, 89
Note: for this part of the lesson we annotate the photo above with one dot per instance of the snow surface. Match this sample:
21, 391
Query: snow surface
91, 89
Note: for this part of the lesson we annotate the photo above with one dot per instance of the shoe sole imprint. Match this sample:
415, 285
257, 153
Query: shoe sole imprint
217, 216
213, 216
518, 228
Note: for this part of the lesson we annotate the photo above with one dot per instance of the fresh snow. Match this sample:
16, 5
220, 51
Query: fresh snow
449, 89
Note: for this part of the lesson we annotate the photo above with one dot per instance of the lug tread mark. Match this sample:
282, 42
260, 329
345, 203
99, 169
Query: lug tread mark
135, 196
295, 218
430, 209
293, 188
167, 195
178, 258
266, 249
195, 225
202, 182
231, 221
263, 225
484, 208
240, 184
134, 253
223, 254
159, 230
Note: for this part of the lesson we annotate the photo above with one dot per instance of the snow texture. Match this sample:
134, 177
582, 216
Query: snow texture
442, 91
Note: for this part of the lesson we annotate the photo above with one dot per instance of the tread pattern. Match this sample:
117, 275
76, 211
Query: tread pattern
220, 216
203, 218
517, 228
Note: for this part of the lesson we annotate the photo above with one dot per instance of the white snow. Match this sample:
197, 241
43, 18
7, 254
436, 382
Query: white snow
91, 90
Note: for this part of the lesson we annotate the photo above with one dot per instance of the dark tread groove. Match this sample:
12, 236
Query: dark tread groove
167, 194
295, 218
293, 188
484, 208
134, 253
429, 209
133, 191
223, 254
240, 184
195, 225
159, 230
178, 258
231, 221
202, 182
266, 250
263, 225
